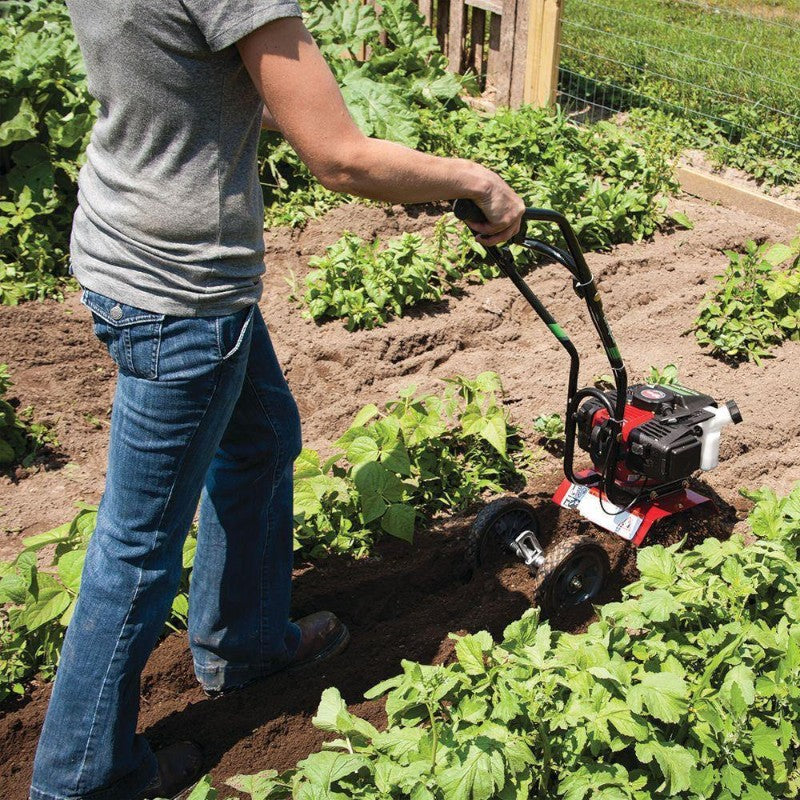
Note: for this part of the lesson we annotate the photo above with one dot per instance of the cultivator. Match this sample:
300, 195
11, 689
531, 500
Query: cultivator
644, 441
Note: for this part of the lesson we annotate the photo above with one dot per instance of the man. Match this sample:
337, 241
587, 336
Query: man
168, 245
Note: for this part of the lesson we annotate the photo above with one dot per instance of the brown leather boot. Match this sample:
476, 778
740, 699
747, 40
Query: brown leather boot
322, 636
180, 765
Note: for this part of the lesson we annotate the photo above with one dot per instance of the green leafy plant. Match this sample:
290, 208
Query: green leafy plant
21, 439
36, 602
550, 428
667, 376
47, 115
422, 455
757, 304
688, 688
366, 283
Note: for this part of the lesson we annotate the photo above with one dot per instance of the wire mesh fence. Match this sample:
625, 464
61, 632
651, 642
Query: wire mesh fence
723, 78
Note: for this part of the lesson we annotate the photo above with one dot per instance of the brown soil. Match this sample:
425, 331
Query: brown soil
402, 602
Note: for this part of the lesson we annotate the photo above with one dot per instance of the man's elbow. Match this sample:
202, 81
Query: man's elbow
343, 170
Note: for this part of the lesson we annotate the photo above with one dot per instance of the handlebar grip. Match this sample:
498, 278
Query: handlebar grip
468, 211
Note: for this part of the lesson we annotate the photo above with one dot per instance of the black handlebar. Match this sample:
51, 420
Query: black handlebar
584, 285
469, 211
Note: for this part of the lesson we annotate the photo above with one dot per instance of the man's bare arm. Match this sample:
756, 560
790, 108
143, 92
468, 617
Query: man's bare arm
302, 96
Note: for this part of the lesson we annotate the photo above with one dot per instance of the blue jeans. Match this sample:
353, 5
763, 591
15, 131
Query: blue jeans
201, 412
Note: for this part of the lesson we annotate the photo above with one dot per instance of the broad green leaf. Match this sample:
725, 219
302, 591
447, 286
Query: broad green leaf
306, 464
70, 566
180, 605
362, 449
51, 603
367, 413
732, 779
380, 109
332, 715
399, 521
370, 478
203, 790
373, 507
658, 605
189, 550
681, 219
676, 762
13, 588
494, 429
765, 743
778, 253
21, 126
40, 540
476, 777
663, 694
258, 786
657, 567
396, 459
471, 651
326, 767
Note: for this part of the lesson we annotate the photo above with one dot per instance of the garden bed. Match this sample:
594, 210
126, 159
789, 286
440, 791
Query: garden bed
402, 602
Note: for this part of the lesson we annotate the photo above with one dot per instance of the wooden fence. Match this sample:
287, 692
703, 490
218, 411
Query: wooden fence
511, 45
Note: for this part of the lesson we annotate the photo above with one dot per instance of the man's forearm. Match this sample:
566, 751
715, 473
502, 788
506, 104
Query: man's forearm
383, 170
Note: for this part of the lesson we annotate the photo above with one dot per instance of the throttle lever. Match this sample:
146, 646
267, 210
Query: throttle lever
468, 211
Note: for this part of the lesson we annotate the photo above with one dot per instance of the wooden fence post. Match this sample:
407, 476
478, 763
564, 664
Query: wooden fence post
543, 52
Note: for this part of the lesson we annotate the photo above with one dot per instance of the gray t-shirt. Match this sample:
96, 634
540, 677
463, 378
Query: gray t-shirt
170, 215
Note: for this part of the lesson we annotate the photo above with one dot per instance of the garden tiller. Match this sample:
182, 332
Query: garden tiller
644, 441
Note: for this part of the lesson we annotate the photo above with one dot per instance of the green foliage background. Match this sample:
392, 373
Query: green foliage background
47, 114
722, 80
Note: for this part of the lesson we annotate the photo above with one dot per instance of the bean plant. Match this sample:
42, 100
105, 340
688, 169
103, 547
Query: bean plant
550, 428
424, 454
756, 305
367, 283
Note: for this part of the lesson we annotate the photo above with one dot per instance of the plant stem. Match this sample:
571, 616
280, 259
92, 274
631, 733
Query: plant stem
435, 736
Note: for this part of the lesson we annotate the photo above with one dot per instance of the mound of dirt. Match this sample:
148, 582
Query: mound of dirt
403, 601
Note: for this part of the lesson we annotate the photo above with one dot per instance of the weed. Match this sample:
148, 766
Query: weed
550, 428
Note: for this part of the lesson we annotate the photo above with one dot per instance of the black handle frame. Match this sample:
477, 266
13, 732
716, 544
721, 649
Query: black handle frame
585, 288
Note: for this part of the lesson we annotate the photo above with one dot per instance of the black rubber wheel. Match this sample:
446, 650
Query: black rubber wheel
496, 526
574, 571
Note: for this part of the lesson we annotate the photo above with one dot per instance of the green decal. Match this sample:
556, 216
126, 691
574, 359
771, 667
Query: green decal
613, 352
678, 389
558, 331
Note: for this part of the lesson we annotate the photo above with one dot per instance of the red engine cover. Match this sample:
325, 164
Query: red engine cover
632, 419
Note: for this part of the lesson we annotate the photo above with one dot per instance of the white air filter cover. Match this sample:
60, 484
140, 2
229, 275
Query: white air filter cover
709, 451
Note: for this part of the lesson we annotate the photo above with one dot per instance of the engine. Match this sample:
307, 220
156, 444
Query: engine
668, 433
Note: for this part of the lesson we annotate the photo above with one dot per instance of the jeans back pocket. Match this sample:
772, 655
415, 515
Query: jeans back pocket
132, 335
